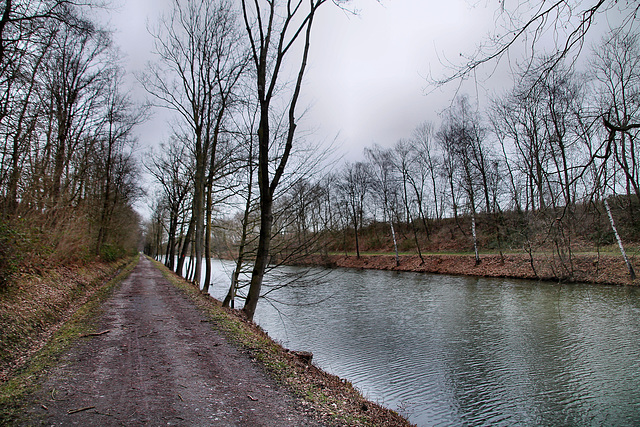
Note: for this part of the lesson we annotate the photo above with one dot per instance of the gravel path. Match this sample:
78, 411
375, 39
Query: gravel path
160, 363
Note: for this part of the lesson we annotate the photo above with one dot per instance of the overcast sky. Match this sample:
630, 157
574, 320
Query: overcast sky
367, 77
366, 81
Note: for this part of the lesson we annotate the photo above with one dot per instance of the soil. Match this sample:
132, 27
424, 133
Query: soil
589, 268
156, 360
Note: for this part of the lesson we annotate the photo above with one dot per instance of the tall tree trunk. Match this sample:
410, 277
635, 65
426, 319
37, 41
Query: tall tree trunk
266, 85
106, 197
207, 243
209, 188
632, 273
409, 218
262, 256
395, 243
355, 229
186, 244
18, 136
198, 214
6, 16
266, 200
59, 162
475, 236
171, 240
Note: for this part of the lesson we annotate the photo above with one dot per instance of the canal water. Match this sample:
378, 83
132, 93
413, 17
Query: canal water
446, 350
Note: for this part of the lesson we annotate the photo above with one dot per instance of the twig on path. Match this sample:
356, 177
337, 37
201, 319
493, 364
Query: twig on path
252, 398
95, 334
180, 397
74, 411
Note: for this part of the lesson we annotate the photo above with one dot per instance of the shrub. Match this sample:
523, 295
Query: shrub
111, 253
11, 244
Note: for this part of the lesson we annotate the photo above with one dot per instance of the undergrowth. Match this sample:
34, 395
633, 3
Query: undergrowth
25, 380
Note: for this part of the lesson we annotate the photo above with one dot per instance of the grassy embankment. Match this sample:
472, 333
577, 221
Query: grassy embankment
333, 400
600, 268
42, 315
540, 246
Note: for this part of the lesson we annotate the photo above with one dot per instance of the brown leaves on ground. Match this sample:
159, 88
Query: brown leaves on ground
37, 303
588, 268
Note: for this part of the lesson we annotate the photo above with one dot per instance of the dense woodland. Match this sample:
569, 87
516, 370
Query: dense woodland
68, 176
550, 165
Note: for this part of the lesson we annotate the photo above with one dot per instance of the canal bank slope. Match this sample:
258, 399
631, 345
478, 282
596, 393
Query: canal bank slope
582, 268
164, 353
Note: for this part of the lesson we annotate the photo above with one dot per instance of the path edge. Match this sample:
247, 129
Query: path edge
327, 397
15, 392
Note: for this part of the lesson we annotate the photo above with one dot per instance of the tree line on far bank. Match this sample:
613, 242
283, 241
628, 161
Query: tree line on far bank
550, 166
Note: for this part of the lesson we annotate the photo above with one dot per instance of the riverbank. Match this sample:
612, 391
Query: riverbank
324, 397
139, 351
583, 268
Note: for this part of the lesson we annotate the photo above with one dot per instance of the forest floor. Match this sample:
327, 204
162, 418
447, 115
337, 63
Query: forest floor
582, 267
164, 353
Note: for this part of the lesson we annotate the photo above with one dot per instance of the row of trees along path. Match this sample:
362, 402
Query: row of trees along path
161, 363
547, 169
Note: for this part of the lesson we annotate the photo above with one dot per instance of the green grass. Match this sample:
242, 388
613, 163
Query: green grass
26, 381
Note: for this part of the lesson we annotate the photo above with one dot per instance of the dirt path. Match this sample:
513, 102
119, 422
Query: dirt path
161, 363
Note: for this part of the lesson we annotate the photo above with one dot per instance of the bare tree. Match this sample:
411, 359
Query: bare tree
245, 238
354, 185
78, 73
22, 23
461, 136
616, 65
404, 161
119, 121
173, 170
66, 153
202, 61
519, 118
385, 186
274, 29
19, 113
532, 24
428, 163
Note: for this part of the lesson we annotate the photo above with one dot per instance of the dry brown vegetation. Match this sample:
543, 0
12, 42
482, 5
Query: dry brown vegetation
38, 302
525, 246
588, 268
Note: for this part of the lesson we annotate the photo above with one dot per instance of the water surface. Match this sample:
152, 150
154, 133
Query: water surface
445, 350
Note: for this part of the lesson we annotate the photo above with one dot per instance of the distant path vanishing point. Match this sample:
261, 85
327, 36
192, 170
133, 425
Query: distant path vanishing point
159, 363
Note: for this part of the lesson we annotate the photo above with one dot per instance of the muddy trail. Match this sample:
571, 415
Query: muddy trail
156, 360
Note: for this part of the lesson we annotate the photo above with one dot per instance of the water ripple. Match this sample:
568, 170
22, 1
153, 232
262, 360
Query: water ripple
463, 351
